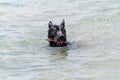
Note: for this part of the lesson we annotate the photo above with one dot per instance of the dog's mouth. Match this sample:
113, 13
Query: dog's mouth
59, 40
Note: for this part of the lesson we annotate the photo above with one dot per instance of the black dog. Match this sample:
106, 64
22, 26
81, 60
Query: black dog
57, 34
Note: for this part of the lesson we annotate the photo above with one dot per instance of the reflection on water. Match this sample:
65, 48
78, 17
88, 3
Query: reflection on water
58, 52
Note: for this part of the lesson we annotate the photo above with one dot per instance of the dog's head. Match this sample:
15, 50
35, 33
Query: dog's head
57, 34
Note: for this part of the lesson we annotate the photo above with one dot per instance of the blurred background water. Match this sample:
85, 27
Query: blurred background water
93, 27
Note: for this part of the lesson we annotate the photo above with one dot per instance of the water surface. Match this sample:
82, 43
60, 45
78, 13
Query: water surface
92, 28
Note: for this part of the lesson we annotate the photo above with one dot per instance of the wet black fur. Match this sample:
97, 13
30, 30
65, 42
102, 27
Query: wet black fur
53, 34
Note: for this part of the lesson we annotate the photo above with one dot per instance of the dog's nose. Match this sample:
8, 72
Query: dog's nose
60, 34
61, 37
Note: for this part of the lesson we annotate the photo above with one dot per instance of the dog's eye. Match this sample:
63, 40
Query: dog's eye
57, 28
51, 29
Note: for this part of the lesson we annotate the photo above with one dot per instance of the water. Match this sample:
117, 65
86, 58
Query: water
92, 28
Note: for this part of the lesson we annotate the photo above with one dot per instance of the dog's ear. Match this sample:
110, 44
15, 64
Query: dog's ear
63, 23
50, 24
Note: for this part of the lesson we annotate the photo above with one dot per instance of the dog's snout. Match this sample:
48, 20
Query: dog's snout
61, 37
60, 34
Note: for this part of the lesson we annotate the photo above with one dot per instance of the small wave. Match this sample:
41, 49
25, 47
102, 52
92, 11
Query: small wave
11, 4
